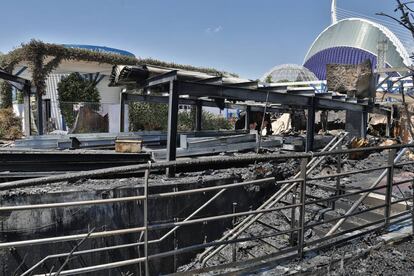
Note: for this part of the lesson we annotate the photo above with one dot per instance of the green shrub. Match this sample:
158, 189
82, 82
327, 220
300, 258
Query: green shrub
75, 89
10, 125
149, 116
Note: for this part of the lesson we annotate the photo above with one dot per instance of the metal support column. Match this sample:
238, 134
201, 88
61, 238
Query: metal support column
172, 126
388, 193
39, 103
247, 119
388, 126
364, 124
122, 101
302, 215
27, 112
310, 126
146, 179
199, 115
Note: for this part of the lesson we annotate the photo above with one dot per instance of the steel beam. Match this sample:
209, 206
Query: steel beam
310, 126
188, 101
240, 94
172, 125
199, 115
39, 103
122, 112
247, 119
161, 79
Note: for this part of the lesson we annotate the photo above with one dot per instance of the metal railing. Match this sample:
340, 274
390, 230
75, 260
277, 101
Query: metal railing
298, 228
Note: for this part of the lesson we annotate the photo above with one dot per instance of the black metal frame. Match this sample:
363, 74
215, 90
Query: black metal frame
242, 92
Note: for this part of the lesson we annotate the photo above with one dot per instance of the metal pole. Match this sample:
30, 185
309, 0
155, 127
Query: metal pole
364, 124
147, 173
388, 126
172, 126
247, 118
122, 112
293, 240
39, 114
302, 214
310, 126
390, 178
199, 115
338, 179
412, 207
234, 247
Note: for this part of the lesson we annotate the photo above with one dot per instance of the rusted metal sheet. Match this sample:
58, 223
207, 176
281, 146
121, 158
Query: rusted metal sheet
128, 146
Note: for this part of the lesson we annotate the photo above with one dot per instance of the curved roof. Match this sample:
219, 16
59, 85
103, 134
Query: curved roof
101, 49
290, 73
362, 34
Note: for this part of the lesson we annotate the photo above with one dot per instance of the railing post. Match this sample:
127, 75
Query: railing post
302, 215
388, 193
234, 247
147, 173
293, 240
338, 178
412, 206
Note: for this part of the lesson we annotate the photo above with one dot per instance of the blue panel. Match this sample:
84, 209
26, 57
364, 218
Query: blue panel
337, 55
101, 49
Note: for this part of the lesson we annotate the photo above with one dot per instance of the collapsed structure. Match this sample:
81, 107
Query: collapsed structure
251, 199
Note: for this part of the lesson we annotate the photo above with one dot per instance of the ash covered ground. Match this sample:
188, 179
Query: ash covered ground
400, 256
280, 221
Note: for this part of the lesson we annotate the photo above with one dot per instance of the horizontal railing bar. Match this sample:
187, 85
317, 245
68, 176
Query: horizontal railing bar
403, 182
161, 195
405, 199
215, 243
220, 217
152, 196
94, 268
347, 173
186, 163
70, 204
173, 252
344, 195
71, 237
360, 227
404, 163
225, 186
345, 216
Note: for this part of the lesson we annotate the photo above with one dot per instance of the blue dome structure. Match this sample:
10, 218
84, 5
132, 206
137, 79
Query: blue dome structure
352, 41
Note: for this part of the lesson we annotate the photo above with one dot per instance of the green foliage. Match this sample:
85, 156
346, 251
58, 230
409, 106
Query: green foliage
19, 97
36, 51
6, 100
10, 125
269, 79
74, 89
149, 116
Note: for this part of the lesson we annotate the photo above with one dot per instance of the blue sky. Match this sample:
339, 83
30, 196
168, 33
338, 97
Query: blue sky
247, 37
